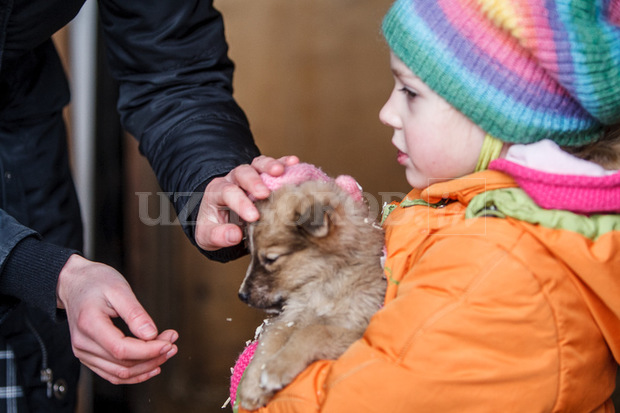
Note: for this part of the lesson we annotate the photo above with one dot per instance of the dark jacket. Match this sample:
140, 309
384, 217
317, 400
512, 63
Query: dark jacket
175, 97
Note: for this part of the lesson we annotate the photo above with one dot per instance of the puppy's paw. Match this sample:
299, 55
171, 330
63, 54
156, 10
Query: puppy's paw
250, 393
251, 396
277, 374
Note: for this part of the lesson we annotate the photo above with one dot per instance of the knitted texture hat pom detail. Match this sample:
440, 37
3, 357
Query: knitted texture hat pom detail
301, 172
523, 70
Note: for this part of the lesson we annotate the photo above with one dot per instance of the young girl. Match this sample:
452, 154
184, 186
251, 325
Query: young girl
503, 262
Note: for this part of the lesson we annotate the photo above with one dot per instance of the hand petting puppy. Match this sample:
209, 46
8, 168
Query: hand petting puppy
230, 193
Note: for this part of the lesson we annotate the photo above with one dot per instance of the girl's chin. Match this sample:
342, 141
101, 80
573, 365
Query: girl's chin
416, 180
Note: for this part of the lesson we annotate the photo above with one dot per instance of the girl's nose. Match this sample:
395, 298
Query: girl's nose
387, 115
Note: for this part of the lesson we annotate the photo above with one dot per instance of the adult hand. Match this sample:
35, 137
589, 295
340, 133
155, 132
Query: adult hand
92, 294
230, 193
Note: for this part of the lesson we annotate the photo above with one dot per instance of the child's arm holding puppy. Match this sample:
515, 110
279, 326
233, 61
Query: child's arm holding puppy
280, 357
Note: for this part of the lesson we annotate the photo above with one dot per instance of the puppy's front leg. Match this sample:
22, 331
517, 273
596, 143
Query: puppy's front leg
305, 345
250, 392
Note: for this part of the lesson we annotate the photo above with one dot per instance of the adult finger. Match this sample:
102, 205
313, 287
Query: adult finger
247, 177
272, 166
115, 379
170, 336
127, 307
231, 194
213, 228
211, 236
102, 339
125, 369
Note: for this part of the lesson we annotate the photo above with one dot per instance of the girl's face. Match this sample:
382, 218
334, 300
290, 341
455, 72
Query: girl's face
435, 142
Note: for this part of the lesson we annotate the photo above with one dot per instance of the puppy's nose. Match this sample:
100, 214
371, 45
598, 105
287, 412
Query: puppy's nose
244, 296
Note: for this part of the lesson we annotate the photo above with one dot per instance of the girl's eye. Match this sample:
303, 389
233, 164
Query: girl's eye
409, 93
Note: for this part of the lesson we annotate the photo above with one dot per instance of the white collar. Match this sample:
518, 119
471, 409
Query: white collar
547, 156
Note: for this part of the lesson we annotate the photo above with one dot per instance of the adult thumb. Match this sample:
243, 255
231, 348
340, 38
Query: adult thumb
134, 315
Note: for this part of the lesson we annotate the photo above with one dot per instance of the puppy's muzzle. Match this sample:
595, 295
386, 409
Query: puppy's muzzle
270, 307
245, 297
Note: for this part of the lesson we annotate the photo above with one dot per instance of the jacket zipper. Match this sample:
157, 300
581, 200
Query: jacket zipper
47, 375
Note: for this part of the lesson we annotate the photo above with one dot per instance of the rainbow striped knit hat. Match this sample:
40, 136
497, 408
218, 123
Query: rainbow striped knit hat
523, 70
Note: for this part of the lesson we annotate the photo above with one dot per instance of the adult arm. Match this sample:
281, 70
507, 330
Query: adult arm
175, 79
33, 271
29, 267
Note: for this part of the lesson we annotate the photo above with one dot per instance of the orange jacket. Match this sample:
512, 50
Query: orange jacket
482, 314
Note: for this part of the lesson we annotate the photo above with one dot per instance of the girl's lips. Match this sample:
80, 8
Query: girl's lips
401, 157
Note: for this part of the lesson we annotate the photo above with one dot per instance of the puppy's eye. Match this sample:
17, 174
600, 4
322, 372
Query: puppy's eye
270, 258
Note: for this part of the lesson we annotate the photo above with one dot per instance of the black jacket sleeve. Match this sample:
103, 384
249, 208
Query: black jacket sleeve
175, 78
29, 267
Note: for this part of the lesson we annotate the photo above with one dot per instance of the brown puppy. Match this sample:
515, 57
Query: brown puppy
316, 265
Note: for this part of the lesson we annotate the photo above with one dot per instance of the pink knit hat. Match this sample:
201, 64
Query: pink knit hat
301, 172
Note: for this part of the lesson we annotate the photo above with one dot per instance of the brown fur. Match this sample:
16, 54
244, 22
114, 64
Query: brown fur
316, 266
605, 151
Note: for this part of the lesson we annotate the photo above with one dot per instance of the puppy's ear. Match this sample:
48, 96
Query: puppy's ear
315, 220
